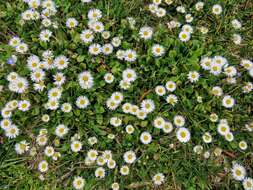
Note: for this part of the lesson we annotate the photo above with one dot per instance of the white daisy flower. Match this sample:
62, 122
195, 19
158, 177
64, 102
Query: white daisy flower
107, 49
217, 9
85, 80
24, 105
71, 23
158, 179
109, 78
61, 130
87, 36
228, 101
146, 32
158, 122
157, 50
43, 166
183, 134
145, 137
179, 121
76, 146
78, 183
21, 147
45, 35
184, 36
248, 183
130, 55
82, 102
61, 62
94, 14
238, 172
124, 170
193, 76
115, 121
129, 157
95, 49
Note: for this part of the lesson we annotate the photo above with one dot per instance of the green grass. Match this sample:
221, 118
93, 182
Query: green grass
182, 167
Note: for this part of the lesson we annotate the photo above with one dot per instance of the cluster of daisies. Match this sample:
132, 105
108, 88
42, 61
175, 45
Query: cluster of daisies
48, 75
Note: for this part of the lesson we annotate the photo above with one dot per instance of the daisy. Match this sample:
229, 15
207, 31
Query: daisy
24, 105
129, 75
207, 137
170, 86
160, 90
61, 130
87, 36
95, 49
123, 84
82, 102
247, 183
158, 122
184, 36
85, 80
188, 18
66, 107
215, 68
148, 105
61, 62
106, 35
157, 2
45, 35
115, 121
217, 9
229, 136
183, 134
167, 127
43, 166
124, 170
230, 71
92, 155
14, 41
107, 155
129, 129
223, 128
38, 75
117, 97
116, 41
21, 48
54, 93
179, 121
145, 137
205, 63
107, 49
100, 172
59, 79
160, 12
21, 147
172, 99
78, 183
101, 161
146, 32
187, 28
158, 179
199, 5
97, 27
228, 101
141, 114
134, 109
115, 186
120, 54
71, 23
49, 151
52, 104
130, 55
180, 9
193, 76
41, 140
76, 146
243, 145
238, 172
109, 78
153, 8
157, 50
126, 107
5, 123
217, 91
236, 24
94, 14
111, 104
111, 164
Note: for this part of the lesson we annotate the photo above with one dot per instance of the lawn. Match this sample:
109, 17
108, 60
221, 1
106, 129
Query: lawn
126, 94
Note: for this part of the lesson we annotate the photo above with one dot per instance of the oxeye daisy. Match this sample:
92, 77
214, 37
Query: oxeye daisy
158, 179
117, 97
183, 134
85, 80
146, 32
78, 183
82, 102
184, 36
157, 2
157, 50
43, 166
228, 101
61, 130
120, 54
76, 146
145, 137
130, 55
124, 170
238, 172
71, 23
100, 172
217, 9
148, 105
